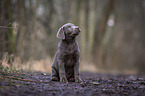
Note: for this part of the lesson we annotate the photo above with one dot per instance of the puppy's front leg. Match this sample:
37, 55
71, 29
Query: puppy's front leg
62, 72
76, 71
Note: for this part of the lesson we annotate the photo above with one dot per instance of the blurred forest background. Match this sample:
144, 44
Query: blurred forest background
112, 37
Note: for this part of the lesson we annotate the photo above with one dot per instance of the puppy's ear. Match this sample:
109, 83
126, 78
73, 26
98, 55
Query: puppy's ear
60, 33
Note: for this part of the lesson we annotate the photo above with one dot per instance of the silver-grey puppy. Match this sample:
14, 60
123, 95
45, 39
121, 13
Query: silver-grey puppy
65, 66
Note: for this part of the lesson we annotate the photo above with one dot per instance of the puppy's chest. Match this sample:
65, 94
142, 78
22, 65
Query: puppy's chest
70, 49
71, 53
70, 59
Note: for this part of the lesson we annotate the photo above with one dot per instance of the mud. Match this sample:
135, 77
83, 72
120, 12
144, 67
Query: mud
94, 84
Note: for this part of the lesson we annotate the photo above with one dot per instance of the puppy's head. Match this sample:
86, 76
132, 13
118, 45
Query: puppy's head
68, 31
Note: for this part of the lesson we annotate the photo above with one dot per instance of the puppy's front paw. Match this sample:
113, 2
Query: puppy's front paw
72, 80
63, 79
78, 80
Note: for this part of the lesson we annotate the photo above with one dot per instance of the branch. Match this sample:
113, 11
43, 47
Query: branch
21, 79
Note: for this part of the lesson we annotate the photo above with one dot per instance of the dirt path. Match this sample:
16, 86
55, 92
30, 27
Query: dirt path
39, 84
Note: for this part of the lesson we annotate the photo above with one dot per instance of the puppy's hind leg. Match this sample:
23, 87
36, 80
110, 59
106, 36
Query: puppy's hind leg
55, 74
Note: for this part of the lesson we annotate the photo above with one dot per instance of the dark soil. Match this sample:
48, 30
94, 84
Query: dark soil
39, 84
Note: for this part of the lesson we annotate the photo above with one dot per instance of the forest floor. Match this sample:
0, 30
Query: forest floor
94, 84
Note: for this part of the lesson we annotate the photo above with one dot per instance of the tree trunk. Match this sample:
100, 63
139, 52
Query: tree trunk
21, 29
6, 30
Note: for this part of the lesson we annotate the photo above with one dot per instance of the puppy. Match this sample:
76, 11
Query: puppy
65, 66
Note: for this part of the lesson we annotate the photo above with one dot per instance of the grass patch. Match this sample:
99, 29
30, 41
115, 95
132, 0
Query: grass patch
12, 64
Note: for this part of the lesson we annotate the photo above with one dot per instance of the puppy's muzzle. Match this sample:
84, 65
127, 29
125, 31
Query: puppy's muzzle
78, 30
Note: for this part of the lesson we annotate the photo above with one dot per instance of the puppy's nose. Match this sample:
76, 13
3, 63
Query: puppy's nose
78, 29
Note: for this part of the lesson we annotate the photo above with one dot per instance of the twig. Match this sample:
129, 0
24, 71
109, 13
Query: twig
6, 27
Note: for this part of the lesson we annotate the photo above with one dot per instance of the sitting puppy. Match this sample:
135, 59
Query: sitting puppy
65, 66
